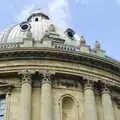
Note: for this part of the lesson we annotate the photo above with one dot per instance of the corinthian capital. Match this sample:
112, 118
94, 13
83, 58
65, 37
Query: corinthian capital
88, 84
25, 76
46, 76
106, 89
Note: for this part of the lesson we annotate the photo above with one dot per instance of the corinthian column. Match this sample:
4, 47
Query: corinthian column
46, 98
26, 95
107, 105
90, 105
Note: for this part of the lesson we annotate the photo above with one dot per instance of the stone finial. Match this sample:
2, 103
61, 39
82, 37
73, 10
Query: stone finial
97, 45
82, 41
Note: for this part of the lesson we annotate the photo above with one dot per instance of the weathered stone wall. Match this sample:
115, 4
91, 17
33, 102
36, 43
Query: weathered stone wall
10, 68
36, 103
58, 94
14, 105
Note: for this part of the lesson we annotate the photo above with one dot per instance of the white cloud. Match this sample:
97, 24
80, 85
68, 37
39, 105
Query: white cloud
77, 1
84, 2
59, 12
57, 9
118, 1
24, 13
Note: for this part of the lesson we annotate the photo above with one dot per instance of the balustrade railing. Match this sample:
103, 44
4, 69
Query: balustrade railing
58, 46
21, 44
10, 45
65, 47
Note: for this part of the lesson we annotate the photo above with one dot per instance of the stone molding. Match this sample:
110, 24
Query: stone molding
6, 88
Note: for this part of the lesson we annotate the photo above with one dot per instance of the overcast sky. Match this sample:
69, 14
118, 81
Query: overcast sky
95, 19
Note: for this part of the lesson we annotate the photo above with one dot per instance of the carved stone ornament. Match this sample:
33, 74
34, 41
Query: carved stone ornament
25, 76
46, 76
88, 85
106, 89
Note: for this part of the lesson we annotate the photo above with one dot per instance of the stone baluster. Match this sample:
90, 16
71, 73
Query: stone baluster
46, 97
90, 105
26, 95
107, 104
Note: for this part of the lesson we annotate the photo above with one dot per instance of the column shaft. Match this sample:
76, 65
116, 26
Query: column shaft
90, 105
46, 100
7, 110
107, 106
26, 97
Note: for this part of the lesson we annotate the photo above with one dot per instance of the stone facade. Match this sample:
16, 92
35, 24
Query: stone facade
42, 77
54, 90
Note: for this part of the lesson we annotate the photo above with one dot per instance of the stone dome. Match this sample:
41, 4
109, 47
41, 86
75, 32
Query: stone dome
44, 78
40, 32
37, 23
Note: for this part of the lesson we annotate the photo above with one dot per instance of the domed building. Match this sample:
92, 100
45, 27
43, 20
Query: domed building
46, 75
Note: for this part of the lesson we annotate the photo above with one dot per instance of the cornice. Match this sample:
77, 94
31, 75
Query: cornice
108, 65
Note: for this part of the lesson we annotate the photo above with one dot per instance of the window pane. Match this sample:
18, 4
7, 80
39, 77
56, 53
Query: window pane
2, 112
2, 107
1, 117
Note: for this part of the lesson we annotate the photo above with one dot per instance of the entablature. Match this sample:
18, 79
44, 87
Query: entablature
62, 77
53, 54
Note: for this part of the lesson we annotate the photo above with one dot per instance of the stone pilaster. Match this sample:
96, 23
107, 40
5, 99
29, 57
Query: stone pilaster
46, 97
108, 112
90, 105
26, 95
7, 109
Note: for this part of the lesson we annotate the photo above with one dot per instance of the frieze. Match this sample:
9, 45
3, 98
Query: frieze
67, 83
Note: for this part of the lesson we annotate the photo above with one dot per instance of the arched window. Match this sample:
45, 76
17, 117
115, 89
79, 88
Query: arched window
68, 108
